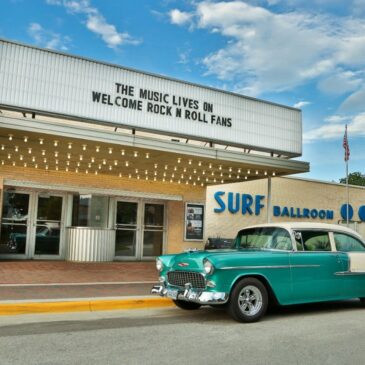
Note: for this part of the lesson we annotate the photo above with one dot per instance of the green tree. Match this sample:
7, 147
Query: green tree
355, 178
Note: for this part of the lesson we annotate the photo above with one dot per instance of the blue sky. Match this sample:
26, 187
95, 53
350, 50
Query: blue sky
304, 53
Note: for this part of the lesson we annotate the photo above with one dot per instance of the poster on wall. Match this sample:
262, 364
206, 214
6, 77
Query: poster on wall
194, 222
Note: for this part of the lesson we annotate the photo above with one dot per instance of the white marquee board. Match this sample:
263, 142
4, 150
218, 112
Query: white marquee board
59, 84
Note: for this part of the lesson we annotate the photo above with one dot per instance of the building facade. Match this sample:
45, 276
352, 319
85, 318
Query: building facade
232, 207
100, 162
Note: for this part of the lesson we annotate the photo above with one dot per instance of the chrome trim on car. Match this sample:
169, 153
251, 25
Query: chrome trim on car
267, 267
349, 273
192, 295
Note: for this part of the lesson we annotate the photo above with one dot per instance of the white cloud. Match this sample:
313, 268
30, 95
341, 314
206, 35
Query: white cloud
96, 22
301, 104
47, 38
268, 51
356, 128
179, 17
355, 102
340, 83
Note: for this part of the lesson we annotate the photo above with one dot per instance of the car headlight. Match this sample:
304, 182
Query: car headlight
159, 265
208, 267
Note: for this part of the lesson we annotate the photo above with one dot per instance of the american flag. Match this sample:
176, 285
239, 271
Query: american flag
345, 145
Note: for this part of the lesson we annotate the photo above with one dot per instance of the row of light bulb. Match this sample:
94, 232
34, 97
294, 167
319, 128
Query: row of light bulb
135, 154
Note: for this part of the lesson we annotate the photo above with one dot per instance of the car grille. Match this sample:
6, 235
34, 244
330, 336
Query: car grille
180, 278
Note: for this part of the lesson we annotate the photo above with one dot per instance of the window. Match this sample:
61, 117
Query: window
347, 243
264, 238
313, 241
90, 211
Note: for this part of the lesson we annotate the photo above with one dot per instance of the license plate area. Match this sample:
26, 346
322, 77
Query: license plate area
172, 293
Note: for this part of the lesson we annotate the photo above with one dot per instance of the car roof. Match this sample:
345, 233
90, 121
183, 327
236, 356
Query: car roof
307, 225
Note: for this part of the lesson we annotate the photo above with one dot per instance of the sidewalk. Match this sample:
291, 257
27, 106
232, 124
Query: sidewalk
37, 286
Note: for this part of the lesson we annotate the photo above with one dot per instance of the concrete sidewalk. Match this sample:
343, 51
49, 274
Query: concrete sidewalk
54, 286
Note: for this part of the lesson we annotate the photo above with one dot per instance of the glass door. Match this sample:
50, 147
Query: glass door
14, 235
126, 226
153, 230
48, 225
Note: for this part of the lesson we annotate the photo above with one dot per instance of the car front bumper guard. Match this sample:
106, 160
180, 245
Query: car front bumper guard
193, 295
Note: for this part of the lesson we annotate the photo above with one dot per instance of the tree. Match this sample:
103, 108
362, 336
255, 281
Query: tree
355, 178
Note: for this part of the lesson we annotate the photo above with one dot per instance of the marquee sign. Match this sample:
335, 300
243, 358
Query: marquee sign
58, 84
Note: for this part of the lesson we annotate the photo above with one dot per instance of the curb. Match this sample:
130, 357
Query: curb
82, 306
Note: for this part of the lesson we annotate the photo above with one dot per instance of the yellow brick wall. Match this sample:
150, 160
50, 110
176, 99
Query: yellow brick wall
175, 209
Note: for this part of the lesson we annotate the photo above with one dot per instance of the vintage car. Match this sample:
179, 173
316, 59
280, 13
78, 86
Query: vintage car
284, 264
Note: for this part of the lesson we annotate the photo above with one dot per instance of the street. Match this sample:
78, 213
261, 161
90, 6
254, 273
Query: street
332, 333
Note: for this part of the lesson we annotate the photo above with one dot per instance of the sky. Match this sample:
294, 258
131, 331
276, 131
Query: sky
308, 54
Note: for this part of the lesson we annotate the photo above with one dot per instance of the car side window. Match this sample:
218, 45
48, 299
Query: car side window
314, 241
265, 238
347, 243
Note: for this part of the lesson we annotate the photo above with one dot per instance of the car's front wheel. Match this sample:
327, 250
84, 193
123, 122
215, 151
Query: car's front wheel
248, 301
186, 305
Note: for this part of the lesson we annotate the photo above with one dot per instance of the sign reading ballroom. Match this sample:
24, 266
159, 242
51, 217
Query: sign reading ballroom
253, 204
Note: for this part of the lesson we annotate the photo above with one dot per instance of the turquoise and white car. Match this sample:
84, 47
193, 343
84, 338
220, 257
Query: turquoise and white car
286, 264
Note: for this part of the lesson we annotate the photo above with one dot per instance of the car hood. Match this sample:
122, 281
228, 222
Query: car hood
193, 260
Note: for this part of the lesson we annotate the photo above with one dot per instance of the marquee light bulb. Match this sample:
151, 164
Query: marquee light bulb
2, 147
10, 137
115, 163
25, 139
29, 150
122, 152
135, 154
9, 155
55, 153
21, 157
36, 165
84, 147
16, 148
92, 159
110, 150
120, 174
43, 152
41, 140
55, 143
97, 148
127, 163
69, 145
273, 174
147, 155
179, 160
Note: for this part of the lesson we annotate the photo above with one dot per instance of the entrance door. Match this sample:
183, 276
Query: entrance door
14, 235
48, 226
153, 230
126, 229
140, 229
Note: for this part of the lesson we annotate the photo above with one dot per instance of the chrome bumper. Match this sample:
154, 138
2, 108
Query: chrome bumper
193, 295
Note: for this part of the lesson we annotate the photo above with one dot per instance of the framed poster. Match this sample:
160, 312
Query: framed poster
194, 222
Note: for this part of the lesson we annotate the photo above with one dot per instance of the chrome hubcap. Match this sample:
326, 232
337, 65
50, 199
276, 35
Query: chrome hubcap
250, 300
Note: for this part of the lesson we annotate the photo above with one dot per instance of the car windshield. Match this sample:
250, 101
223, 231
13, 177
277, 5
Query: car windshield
264, 238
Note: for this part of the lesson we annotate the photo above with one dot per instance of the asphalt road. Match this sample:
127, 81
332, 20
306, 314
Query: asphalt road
312, 334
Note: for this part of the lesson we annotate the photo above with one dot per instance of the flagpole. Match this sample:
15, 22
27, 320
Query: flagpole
348, 193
